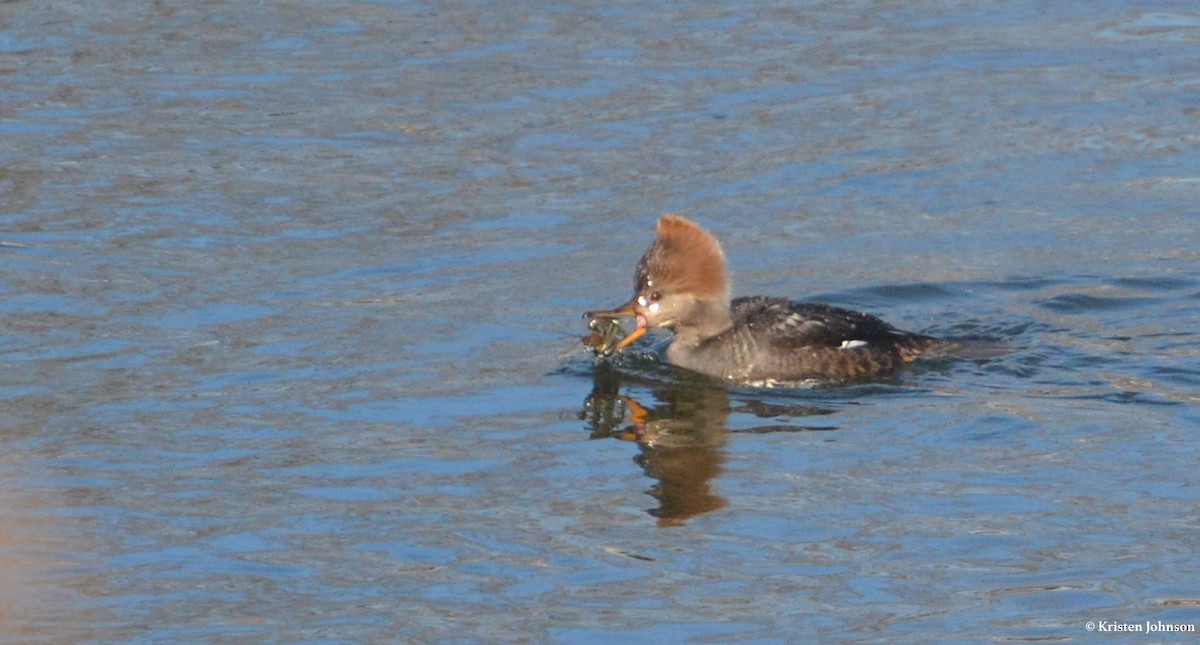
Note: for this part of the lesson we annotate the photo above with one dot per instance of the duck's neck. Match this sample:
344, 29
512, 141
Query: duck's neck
708, 318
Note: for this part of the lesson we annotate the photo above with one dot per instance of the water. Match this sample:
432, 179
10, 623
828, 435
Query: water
290, 294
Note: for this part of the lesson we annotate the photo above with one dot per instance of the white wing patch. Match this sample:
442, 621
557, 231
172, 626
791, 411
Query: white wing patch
852, 344
798, 323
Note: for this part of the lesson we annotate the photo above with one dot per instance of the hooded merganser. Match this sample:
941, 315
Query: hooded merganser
681, 284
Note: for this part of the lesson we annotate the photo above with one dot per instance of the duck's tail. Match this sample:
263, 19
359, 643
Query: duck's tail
918, 346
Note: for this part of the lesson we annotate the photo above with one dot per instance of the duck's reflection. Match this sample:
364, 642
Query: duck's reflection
680, 437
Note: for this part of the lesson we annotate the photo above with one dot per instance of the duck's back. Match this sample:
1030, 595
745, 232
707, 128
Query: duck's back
779, 340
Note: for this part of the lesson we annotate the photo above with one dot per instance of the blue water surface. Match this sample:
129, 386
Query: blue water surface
290, 302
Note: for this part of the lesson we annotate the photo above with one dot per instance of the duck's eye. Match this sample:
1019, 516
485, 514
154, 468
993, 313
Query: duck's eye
646, 301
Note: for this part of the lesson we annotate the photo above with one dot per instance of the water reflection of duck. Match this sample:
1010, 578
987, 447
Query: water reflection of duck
681, 284
680, 439
682, 435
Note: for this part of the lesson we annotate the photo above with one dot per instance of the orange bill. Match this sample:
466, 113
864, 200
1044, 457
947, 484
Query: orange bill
623, 310
633, 335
